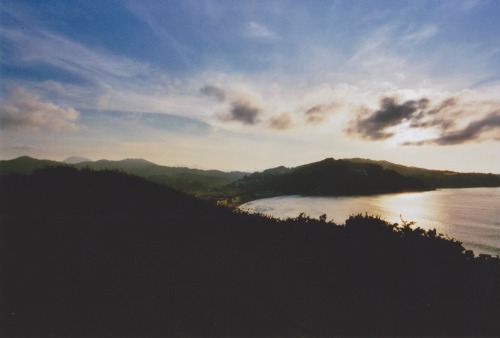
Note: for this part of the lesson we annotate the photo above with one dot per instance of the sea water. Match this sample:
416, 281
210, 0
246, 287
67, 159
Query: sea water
469, 215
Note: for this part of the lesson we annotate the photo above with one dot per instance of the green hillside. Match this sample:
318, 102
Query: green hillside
439, 178
327, 177
24, 165
194, 181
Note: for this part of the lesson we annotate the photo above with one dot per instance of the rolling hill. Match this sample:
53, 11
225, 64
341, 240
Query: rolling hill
439, 178
327, 177
24, 165
75, 159
194, 181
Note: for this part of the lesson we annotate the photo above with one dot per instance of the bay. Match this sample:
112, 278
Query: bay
469, 215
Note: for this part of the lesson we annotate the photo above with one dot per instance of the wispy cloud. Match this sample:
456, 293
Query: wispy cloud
258, 30
25, 110
468, 5
153, 17
97, 67
319, 113
421, 34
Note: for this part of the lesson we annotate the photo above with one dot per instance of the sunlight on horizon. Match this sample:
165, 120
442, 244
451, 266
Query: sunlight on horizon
252, 87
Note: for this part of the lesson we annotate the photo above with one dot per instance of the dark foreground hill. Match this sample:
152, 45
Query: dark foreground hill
86, 253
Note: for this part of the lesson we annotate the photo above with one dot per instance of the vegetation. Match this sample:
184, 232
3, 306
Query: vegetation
327, 177
201, 183
103, 253
439, 178
24, 165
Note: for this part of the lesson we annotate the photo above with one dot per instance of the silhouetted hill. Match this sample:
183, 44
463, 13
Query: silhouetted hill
75, 159
327, 177
194, 181
100, 253
439, 178
24, 165
277, 171
134, 164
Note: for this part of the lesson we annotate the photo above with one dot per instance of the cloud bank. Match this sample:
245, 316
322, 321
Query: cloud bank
25, 110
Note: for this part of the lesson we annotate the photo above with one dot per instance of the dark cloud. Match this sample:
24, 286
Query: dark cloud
243, 112
214, 91
420, 121
318, 113
281, 122
242, 108
450, 102
442, 123
390, 114
474, 131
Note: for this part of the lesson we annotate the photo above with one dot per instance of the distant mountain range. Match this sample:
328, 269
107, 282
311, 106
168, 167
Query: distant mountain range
24, 165
76, 159
327, 177
194, 181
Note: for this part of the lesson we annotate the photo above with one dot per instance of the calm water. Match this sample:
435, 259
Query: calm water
470, 215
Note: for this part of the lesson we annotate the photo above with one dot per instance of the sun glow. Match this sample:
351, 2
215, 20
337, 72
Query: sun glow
403, 133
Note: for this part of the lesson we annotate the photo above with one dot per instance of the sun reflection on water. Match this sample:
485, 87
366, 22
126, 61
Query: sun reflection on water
468, 215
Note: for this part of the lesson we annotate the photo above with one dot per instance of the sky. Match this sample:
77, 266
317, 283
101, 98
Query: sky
250, 85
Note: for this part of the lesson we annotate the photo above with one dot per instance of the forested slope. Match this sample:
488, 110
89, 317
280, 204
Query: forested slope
439, 178
328, 177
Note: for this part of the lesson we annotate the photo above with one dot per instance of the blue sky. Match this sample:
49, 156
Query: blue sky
248, 85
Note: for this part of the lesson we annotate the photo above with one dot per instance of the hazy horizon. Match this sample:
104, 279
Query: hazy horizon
252, 85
